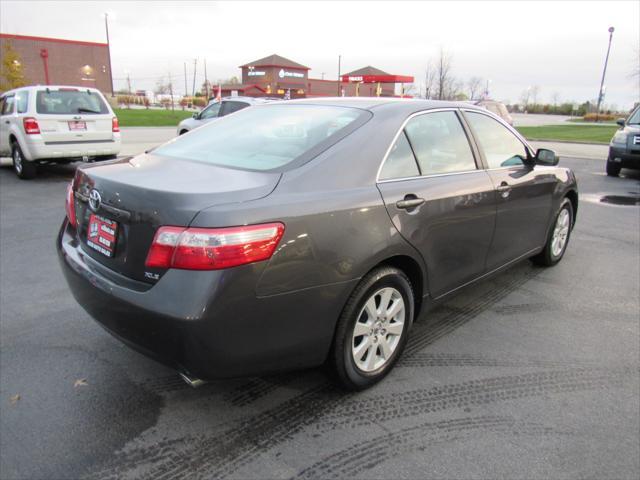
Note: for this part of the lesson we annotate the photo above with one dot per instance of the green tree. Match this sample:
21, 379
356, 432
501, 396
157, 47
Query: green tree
11, 69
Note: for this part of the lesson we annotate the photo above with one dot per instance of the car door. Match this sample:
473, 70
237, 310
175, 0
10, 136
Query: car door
524, 191
6, 112
211, 112
439, 199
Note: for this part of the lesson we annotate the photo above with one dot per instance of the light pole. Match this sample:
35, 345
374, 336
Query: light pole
106, 27
604, 72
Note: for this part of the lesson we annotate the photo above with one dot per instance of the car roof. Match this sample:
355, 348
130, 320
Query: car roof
49, 87
368, 103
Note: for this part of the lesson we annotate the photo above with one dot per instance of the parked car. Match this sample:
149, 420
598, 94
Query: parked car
217, 109
497, 108
56, 124
624, 149
293, 233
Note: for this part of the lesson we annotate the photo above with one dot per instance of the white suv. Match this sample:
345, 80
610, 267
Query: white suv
56, 124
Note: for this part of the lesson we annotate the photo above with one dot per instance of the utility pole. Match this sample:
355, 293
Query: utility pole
604, 72
195, 66
106, 27
129, 83
186, 92
206, 82
339, 77
171, 91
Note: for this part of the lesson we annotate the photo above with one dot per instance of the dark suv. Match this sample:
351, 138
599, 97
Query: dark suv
624, 149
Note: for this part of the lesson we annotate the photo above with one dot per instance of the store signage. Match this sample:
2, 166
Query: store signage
283, 73
256, 73
355, 79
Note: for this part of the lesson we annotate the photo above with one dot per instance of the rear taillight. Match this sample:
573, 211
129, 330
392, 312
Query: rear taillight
31, 126
213, 248
115, 125
70, 205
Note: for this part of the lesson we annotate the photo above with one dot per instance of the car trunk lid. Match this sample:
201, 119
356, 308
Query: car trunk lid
145, 192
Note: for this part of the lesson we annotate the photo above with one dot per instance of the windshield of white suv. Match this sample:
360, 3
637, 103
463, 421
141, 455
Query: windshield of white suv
70, 101
266, 137
634, 119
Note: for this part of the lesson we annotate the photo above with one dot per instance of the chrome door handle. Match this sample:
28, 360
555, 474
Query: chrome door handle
505, 189
409, 203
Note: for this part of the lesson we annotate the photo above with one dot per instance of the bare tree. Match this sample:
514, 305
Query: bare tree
524, 98
555, 98
535, 91
444, 80
162, 86
474, 86
429, 80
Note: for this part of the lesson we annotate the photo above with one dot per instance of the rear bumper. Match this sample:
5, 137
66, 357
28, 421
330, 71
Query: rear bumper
207, 324
36, 148
625, 159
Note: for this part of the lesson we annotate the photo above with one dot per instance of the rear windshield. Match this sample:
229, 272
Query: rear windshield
266, 137
70, 102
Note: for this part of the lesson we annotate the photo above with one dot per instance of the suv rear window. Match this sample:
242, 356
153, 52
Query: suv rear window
70, 102
266, 137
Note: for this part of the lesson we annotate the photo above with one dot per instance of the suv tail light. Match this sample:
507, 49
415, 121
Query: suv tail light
115, 125
70, 205
31, 126
213, 248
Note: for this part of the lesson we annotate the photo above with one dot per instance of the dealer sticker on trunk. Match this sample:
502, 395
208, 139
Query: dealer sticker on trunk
102, 234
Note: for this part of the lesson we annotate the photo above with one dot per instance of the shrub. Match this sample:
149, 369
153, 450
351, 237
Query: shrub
591, 117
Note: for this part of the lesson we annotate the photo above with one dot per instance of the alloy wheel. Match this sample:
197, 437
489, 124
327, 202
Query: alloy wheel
560, 232
378, 329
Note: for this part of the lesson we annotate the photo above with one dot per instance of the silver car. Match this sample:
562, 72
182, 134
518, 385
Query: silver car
217, 109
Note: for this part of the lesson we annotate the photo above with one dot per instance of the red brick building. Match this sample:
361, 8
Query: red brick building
56, 61
277, 76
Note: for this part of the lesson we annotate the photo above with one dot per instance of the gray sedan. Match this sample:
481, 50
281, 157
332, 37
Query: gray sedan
216, 110
296, 233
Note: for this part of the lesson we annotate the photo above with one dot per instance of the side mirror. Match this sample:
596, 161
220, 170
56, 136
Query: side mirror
196, 115
546, 157
620, 122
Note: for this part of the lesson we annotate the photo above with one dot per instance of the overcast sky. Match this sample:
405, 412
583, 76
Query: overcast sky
559, 46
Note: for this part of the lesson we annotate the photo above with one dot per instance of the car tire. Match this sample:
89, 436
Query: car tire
613, 169
558, 238
360, 361
24, 169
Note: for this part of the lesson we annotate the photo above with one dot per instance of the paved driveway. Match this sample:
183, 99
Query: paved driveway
533, 374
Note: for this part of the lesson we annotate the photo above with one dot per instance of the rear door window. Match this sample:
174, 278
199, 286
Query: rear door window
7, 105
22, 100
500, 146
440, 143
70, 102
400, 163
230, 107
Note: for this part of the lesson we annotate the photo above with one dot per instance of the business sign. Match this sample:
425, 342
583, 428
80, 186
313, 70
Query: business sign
256, 73
283, 73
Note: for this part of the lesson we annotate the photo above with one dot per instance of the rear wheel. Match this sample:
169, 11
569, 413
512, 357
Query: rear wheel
558, 237
372, 330
613, 169
24, 168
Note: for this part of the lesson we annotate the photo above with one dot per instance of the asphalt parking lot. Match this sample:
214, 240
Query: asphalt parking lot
533, 374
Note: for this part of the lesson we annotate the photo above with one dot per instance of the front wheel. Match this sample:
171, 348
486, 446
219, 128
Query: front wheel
558, 237
613, 169
24, 169
373, 328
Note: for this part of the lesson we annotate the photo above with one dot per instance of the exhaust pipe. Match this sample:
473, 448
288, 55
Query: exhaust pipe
191, 381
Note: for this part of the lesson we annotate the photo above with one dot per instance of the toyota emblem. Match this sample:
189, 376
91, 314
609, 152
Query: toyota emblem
94, 200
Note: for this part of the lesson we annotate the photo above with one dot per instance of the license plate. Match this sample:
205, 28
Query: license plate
102, 234
75, 126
